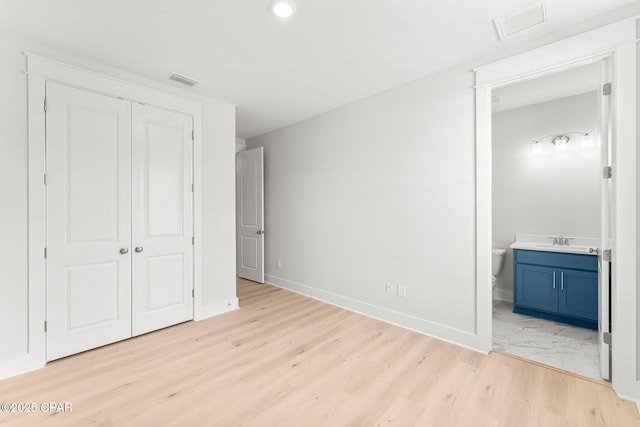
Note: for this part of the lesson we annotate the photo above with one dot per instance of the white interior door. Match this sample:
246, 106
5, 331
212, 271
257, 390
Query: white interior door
162, 220
88, 143
250, 214
606, 229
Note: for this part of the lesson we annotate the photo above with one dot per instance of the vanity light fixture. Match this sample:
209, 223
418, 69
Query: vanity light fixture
283, 8
537, 148
560, 141
587, 140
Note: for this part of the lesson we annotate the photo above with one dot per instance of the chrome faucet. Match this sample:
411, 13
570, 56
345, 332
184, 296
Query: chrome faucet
561, 241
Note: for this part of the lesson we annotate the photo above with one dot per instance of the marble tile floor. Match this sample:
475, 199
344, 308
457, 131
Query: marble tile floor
555, 344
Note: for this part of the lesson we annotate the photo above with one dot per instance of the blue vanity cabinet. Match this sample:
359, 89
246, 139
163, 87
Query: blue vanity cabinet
536, 287
556, 286
579, 294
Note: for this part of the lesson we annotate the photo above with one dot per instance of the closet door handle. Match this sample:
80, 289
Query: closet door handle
139, 249
554, 280
124, 251
562, 280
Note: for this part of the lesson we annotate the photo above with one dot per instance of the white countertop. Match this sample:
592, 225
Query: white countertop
577, 245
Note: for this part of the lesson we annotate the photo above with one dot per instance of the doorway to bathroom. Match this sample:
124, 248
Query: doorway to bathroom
551, 218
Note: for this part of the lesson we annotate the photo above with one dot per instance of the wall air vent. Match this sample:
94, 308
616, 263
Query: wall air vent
183, 79
523, 19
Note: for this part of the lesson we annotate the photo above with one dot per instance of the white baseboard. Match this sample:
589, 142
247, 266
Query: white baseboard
219, 307
629, 398
30, 362
436, 330
20, 365
503, 295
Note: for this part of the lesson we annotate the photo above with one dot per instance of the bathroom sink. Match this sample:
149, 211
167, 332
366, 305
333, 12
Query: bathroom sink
577, 245
573, 249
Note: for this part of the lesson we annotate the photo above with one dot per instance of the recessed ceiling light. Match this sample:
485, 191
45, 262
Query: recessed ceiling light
283, 8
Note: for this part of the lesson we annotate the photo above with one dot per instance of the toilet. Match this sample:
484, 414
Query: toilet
497, 261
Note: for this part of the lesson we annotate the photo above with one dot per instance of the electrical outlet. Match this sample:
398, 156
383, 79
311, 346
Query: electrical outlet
401, 290
278, 263
391, 288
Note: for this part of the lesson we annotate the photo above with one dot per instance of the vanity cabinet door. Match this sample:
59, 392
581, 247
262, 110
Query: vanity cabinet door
536, 287
579, 293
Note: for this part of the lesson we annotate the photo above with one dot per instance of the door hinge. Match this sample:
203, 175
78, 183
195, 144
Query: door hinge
45, 253
45, 105
45, 326
606, 89
606, 172
193, 135
193, 188
193, 293
193, 240
45, 179
606, 255
606, 337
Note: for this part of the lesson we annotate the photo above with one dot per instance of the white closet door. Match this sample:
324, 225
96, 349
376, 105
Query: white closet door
250, 214
162, 219
88, 143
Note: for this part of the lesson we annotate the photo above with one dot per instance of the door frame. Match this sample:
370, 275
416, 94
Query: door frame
618, 42
260, 218
39, 71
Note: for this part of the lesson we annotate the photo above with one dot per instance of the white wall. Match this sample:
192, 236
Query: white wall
384, 190
218, 192
551, 193
241, 144
380, 190
638, 208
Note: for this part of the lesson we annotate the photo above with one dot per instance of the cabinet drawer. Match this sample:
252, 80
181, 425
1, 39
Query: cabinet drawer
556, 259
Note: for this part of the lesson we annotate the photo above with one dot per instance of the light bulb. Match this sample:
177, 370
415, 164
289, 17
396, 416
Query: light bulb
283, 8
587, 140
536, 149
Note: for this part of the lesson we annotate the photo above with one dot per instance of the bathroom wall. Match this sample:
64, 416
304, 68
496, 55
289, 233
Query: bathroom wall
550, 192
241, 144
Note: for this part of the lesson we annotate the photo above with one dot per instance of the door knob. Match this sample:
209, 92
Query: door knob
139, 249
260, 232
124, 251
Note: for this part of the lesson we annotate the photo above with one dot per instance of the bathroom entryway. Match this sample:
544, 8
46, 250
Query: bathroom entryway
550, 219
562, 346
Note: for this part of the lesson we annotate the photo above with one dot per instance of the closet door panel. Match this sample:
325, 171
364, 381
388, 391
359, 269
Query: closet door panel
88, 144
162, 220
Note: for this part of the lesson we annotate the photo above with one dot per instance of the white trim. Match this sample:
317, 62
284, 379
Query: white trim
216, 308
34, 357
436, 330
40, 70
616, 41
58, 72
565, 52
198, 285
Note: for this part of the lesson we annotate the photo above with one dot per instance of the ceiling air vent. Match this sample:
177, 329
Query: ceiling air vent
183, 79
527, 17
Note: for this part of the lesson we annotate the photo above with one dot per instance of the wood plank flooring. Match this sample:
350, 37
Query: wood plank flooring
287, 360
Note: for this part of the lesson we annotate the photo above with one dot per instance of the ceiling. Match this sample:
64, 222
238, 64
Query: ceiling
573, 81
277, 72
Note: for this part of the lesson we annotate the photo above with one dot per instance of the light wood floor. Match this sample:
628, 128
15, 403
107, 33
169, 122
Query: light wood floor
286, 360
